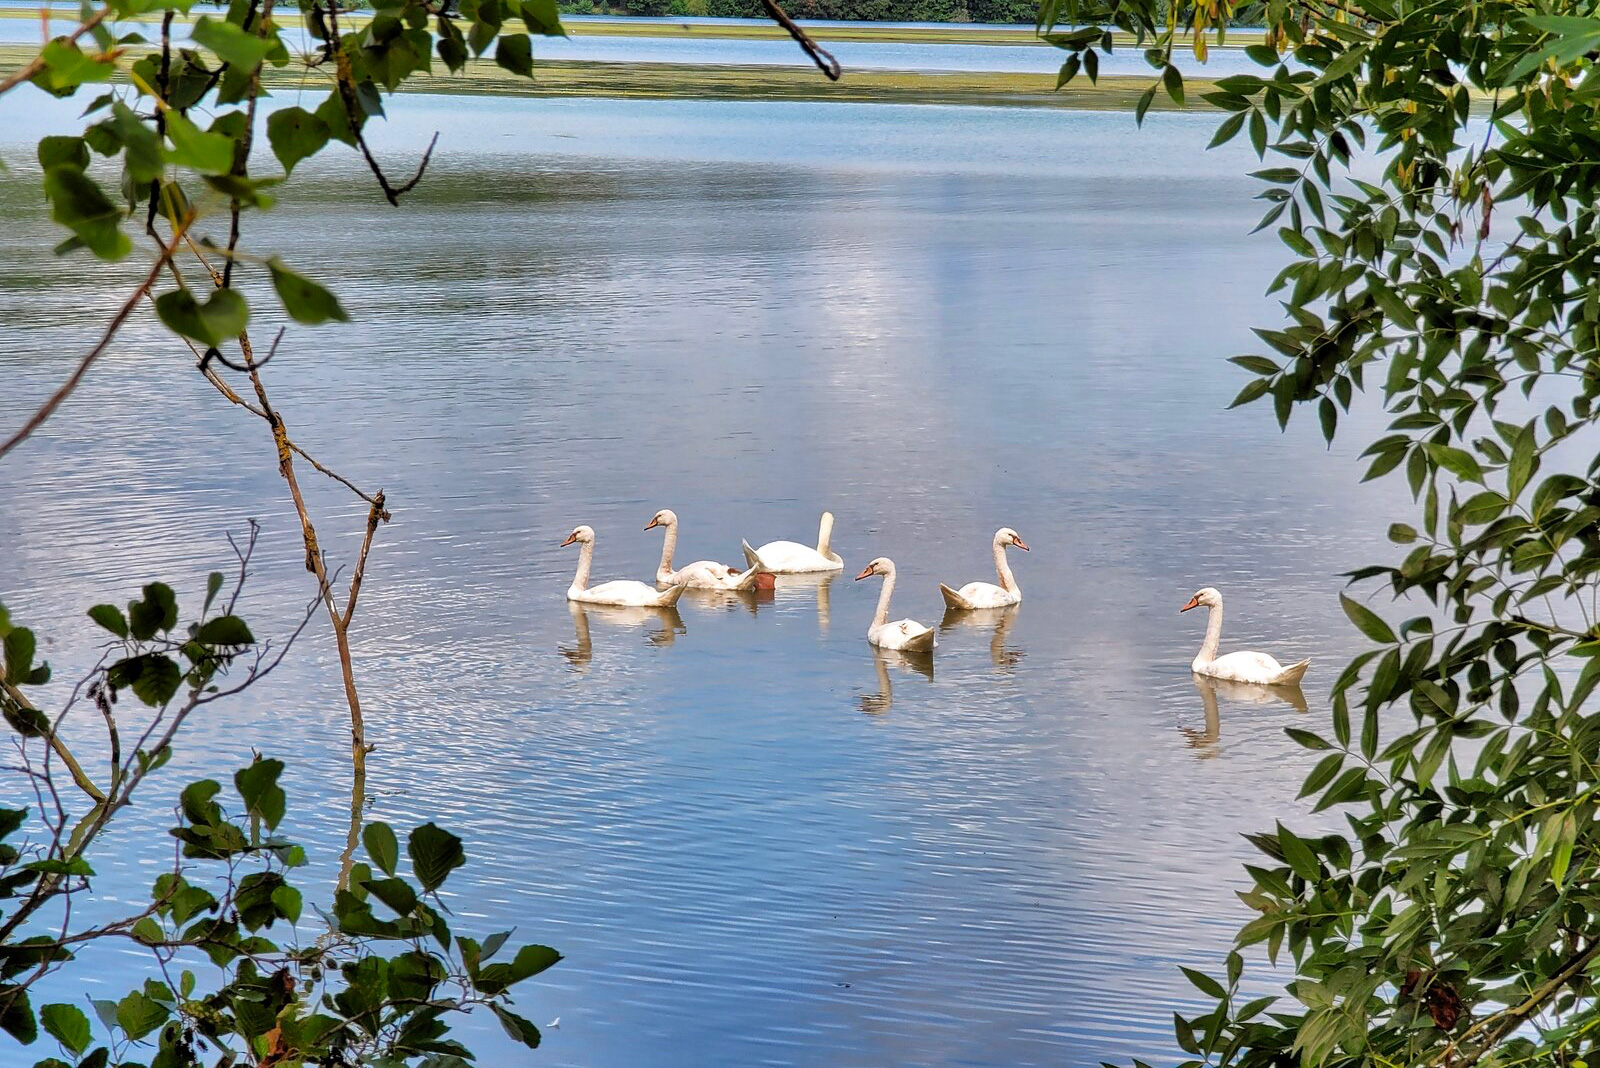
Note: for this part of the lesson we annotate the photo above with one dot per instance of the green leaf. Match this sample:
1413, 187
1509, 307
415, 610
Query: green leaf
231, 43
19, 649
152, 677
16, 1017
213, 587
67, 1025
67, 67
1228, 130
139, 1015
63, 152
1204, 983
295, 134
223, 315
1456, 461
518, 1028
434, 853
225, 630
543, 17
1524, 462
1299, 855
1173, 80
110, 617
208, 153
382, 846
1306, 739
78, 203
305, 300
158, 611
515, 54
259, 789
1367, 621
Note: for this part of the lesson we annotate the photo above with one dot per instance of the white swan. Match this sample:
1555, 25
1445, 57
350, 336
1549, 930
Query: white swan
623, 592
904, 634
1236, 667
700, 575
792, 558
987, 594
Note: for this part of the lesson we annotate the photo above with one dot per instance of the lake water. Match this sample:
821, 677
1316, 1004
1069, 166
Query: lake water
755, 841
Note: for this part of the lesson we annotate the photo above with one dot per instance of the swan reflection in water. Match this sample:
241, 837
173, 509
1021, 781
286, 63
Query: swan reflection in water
880, 702
1208, 740
795, 588
998, 621
668, 624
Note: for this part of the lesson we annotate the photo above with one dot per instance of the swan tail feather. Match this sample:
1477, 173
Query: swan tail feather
954, 599
751, 557
1291, 675
746, 580
922, 643
670, 598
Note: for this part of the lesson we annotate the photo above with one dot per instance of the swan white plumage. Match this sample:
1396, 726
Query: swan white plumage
1236, 667
792, 558
700, 575
906, 635
987, 594
623, 592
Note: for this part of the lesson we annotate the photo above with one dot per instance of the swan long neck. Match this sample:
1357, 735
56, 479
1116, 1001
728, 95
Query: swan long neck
585, 559
1002, 567
1213, 642
669, 545
883, 599
825, 534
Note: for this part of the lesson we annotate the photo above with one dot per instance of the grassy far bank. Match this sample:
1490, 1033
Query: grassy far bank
766, 82
951, 33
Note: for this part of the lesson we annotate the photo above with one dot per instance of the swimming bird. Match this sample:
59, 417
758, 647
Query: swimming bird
792, 558
987, 594
904, 634
624, 592
702, 574
1236, 667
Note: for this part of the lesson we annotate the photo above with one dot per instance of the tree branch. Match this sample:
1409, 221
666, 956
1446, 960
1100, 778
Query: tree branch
819, 55
13, 80
48, 408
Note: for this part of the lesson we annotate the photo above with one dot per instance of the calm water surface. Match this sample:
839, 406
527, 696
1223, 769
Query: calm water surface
756, 842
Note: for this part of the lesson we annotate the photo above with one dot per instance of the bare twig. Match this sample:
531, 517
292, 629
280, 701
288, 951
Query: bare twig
819, 55
216, 354
347, 96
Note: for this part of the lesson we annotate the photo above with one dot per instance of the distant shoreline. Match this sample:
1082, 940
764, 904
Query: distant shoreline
662, 81
739, 29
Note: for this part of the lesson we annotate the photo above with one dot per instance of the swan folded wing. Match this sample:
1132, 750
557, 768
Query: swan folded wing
1246, 666
789, 556
625, 592
701, 575
905, 634
984, 595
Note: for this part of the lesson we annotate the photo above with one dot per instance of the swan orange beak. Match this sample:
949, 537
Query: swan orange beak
570, 539
652, 524
1019, 543
1194, 602
864, 573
